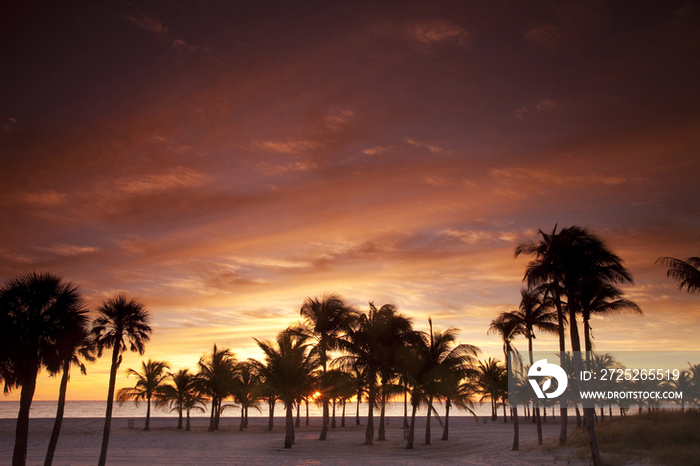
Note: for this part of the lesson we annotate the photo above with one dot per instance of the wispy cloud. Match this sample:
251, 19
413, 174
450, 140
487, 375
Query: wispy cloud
178, 177
544, 105
438, 31
431, 147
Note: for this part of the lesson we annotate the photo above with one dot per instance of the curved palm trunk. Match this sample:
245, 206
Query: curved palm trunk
369, 430
19, 455
110, 402
427, 420
446, 429
59, 414
381, 435
289, 431
412, 430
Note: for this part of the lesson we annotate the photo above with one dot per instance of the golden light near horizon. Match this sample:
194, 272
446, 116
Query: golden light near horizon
223, 173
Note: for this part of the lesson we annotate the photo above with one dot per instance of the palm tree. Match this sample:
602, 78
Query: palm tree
149, 383
686, 273
246, 389
371, 343
178, 394
325, 320
38, 315
120, 324
489, 381
217, 372
567, 260
535, 314
75, 346
359, 382
507, 325
286, 372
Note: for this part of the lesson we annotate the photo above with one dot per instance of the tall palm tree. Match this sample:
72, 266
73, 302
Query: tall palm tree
288, 366
217, 372
149, 383
75, 346
121, 323
507, 325
534, 313
179, 392
325, 320
37, 313
685, 272
579, 256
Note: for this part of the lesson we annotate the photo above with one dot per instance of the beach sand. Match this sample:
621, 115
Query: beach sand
470, 443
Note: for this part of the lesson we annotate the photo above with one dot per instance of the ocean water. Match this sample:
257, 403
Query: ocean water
96, 409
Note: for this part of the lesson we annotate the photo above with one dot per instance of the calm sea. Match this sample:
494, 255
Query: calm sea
85, 409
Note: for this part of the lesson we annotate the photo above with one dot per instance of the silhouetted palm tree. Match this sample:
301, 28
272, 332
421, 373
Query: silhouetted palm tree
120, 324
534, 313
181, 392
325, 320
489, 382
370, 342
34, 310
508, 326
149, 383
246, 390
217, 372
286, 371
75, 346
685, 272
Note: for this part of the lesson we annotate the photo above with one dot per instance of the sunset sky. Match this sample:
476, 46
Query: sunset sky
221, 161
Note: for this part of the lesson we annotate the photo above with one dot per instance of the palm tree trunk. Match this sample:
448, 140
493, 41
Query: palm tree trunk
289, 431
187, 426
562, 349
412, 430
516, 429
19, 455
535, 402
405, 408
271, 409
427, 419
446, 429
245, 423
333, 416
326, 415
59, 413
297, 421
211, 415
110, 401
342, 419
357, 411
369, 430
148, 413
179, 417
240, 427
382, 432
306, 402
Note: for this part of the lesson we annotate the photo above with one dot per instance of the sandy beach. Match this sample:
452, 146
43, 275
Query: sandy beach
469, 444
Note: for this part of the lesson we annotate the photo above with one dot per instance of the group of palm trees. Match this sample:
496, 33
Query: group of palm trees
334, 353
44, 323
